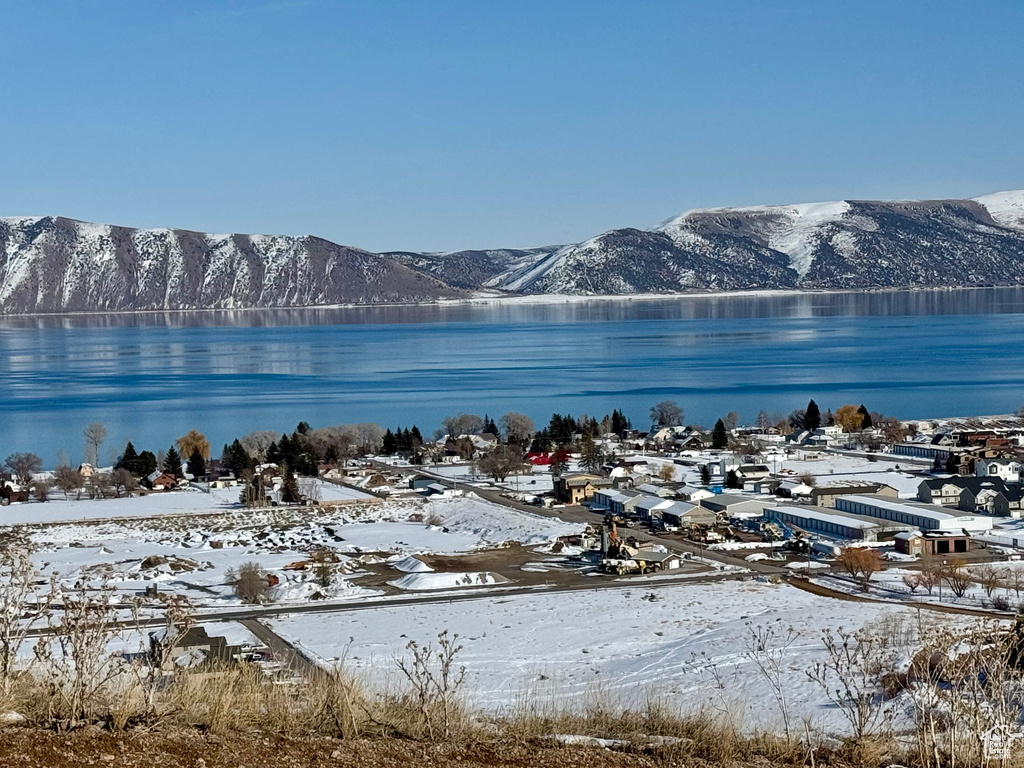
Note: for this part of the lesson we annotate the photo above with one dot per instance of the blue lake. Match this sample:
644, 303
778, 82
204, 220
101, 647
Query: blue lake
153, 377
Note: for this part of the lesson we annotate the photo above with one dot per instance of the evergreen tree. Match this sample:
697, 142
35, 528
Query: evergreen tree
865, 417
172, 463
331, 454
416, 436
303, 428
732, 480
490, 428
129, 459
619, 422
559, 461
719, 435
289, 487
146, 463
591, 458
705, 474
197, 464
390, 445
812, 416
830, 418
236, 458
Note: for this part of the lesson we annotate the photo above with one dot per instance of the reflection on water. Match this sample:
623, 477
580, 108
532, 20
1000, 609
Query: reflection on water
152, 377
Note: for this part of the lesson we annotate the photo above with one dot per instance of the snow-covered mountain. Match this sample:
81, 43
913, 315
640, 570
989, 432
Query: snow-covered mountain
55, 264
844, 244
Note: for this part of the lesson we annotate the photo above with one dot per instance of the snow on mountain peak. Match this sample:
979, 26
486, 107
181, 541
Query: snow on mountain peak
792, 229
1007, 208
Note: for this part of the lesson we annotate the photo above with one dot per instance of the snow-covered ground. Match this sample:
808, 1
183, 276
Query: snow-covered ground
840, 469
191, 556
190, 500
688, 645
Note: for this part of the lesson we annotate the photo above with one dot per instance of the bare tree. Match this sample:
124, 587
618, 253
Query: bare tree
463, 424
957, 578
41, 490
123, 482
731, 420
860, 562
500, 462
990, 578
23, 466
251, 582
517, 427
666, 414
94, 434
257, 443
68, 479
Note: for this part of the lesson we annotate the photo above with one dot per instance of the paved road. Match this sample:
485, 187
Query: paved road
283, 651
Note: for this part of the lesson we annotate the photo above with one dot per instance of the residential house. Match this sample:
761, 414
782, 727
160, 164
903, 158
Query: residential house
161, 481
1007, 470
575, 489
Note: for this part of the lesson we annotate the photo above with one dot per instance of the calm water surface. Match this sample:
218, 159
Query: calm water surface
153, 377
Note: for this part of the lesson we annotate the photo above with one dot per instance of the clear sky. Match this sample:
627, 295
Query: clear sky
442, 125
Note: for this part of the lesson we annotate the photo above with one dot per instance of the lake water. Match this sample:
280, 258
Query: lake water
153, 377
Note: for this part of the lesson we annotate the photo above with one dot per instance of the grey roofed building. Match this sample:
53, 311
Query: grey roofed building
832, 522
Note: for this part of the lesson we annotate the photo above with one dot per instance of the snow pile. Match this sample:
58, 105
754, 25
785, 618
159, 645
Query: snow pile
410, 564
419, 582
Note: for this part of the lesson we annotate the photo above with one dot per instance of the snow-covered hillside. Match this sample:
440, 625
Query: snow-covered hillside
56, 265
53, 264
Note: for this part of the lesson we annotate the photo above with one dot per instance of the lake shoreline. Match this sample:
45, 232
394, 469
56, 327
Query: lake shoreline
498, 300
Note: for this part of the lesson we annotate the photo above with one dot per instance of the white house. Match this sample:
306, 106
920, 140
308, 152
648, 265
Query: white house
1007, 470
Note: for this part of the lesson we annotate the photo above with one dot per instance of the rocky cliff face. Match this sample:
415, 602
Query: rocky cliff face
60, 265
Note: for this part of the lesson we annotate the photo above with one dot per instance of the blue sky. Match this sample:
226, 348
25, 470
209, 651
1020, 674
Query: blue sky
442, 125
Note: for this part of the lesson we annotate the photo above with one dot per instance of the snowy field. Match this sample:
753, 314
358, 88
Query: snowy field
688, 645
192, 556
836, 469
191, 500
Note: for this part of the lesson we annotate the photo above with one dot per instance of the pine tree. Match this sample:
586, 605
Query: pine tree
705, 474
390, 446
129, 459
289, 487
172, 463
416, 436
197, 464
732, 480
490, 428
812, 417
719, 435
865, 417
146, 463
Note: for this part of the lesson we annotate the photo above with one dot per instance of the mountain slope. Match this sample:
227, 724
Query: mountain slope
58, 265
53, 264
843, 244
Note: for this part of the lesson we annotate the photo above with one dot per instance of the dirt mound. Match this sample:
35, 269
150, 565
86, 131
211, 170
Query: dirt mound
30, 748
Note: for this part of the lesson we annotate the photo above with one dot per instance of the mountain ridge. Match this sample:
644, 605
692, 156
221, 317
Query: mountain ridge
53, 264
